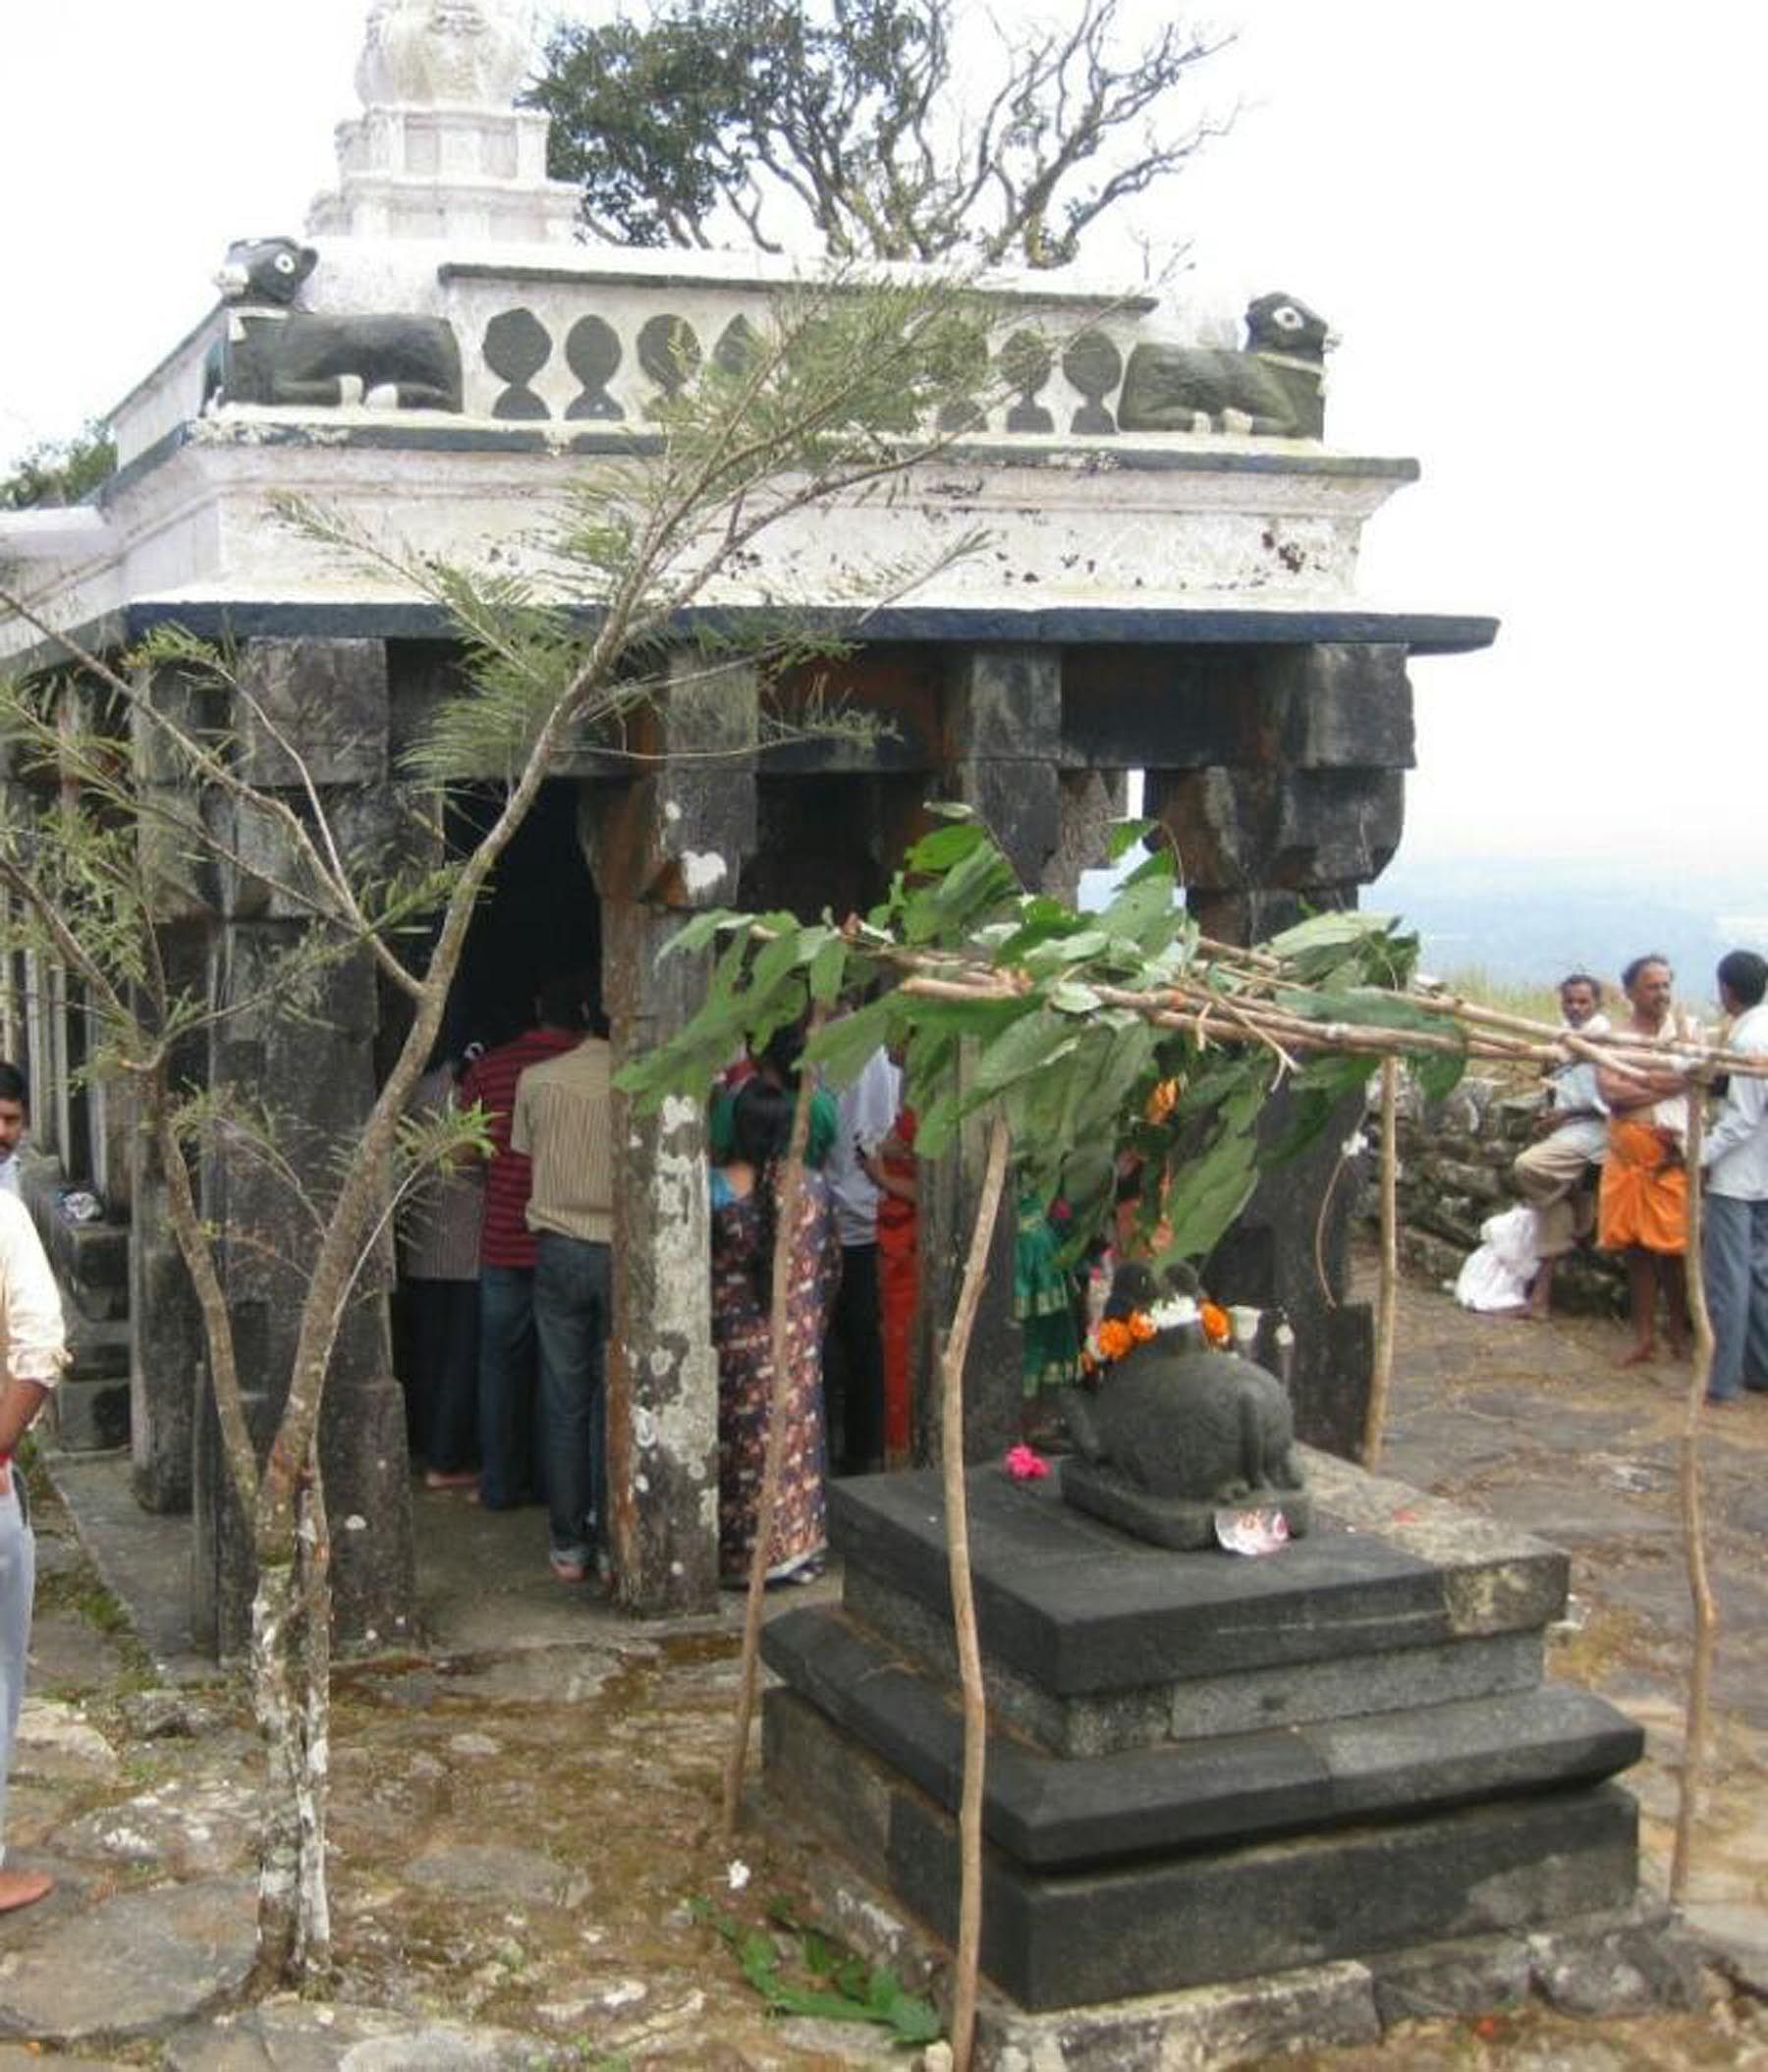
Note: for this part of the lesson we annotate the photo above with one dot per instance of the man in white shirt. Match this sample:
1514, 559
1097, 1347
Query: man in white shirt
32, 1353
15, 1120
1734, 1161
1572, 1136
854, 1344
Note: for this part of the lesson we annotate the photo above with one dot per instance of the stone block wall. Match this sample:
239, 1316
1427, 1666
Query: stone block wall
1455, 1160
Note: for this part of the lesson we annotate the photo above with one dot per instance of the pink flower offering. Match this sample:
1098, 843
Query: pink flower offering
1026, 1465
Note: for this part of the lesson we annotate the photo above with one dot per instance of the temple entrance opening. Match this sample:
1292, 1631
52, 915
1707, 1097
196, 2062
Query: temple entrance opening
540, 917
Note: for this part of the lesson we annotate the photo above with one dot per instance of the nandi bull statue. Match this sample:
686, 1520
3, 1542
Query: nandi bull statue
1276, 388
275, 354
1178, 1429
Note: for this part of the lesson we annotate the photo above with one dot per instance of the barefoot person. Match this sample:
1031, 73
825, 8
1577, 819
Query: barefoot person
33, 1352
1570, 1136
1644, 1209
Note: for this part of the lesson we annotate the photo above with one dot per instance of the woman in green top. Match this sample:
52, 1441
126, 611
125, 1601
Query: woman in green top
1043, 1301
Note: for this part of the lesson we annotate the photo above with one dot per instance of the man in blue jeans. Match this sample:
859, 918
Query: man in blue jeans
508, 1454
1734, 1159
563, 1122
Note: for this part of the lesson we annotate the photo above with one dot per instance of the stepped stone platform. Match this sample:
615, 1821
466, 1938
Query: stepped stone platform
1206, 1768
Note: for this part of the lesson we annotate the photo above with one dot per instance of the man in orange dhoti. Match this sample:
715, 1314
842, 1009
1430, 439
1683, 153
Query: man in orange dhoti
1644, 1204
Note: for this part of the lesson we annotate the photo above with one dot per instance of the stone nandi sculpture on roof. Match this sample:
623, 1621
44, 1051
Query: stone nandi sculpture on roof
274, 354
1276, 388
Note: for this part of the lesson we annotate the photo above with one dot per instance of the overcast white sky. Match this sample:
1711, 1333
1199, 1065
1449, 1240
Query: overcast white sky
1527, 221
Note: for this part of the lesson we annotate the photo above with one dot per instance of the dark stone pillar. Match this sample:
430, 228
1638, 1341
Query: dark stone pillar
314, 1068
661, 847
1308, 810
1088, 803
1002, 739
1308, 801
167, 1352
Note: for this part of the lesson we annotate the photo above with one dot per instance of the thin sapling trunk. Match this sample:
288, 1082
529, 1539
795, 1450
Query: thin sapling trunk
964, 1602
1700, 1588
773, 1458
1387, 1299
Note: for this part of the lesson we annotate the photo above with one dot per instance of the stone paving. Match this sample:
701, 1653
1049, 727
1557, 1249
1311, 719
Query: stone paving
524, 1816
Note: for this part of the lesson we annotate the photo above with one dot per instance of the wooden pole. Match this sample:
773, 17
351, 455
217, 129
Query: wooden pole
1700, 1589
1387, 1298
774, 1455
963, 1604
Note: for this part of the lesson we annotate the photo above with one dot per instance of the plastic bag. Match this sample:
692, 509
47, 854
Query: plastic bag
1497, 1276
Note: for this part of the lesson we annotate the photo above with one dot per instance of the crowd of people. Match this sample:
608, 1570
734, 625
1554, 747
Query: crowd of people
506, 1286
1628, 1130
506, 1281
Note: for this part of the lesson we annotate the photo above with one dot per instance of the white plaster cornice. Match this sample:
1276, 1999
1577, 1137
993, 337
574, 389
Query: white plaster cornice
69, 533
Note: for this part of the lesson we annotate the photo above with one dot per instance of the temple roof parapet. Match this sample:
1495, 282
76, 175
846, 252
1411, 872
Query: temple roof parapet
441, 359
574, 333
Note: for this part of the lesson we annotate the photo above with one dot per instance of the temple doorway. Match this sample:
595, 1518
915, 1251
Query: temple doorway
540, 918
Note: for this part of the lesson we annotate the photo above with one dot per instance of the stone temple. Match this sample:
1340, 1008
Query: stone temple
1170, 586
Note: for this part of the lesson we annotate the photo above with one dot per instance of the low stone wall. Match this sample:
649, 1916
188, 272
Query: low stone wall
1455, 1160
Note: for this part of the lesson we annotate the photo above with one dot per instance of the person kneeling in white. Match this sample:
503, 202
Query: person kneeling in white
32, 1353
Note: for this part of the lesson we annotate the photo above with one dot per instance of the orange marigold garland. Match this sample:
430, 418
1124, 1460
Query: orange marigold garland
1109, 1342
1114, 1337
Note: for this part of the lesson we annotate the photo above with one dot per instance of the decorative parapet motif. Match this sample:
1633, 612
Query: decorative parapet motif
609, 359
590, 346
609, 349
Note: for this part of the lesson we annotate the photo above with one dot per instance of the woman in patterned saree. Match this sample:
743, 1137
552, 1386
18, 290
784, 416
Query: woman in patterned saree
747, 1187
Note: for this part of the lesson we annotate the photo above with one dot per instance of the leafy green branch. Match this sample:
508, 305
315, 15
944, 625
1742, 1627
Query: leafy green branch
799, 1970
1093, 1035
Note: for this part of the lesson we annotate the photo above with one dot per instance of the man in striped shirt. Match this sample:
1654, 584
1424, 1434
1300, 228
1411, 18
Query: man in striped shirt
506, 1363
564, 1122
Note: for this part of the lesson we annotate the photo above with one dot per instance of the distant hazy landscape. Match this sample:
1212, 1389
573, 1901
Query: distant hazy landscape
1524, 924
1530, 922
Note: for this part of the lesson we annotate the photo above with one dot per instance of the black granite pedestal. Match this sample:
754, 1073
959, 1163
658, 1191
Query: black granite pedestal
1204, 1768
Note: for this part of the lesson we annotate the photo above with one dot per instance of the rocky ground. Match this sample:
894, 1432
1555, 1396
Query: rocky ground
526, 1817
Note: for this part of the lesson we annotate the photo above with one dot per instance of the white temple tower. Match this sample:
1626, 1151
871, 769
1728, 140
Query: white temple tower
440, 151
